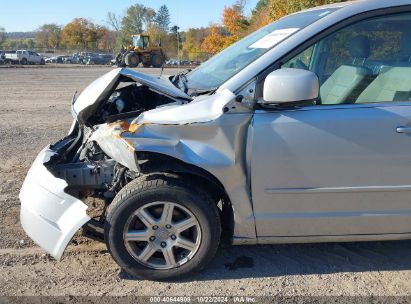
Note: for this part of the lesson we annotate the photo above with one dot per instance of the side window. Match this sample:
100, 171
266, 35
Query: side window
302, 60
366, 62
145, 42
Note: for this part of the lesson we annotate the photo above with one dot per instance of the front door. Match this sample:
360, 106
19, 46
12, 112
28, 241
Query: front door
342, 166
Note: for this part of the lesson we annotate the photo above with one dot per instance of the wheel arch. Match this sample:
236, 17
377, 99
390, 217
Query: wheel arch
157, 163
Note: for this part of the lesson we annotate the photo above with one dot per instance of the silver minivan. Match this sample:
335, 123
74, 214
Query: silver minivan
300, 132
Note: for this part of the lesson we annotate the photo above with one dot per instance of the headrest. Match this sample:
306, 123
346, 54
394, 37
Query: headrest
360, 47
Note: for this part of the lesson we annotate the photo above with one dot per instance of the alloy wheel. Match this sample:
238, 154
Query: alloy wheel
162, 235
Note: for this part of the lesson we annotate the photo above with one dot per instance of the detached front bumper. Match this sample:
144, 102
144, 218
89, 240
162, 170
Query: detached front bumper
48, 215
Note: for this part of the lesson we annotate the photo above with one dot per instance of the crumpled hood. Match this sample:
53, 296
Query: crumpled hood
201, 109
88, 101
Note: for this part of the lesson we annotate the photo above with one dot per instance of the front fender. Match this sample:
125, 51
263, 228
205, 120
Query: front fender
217, 146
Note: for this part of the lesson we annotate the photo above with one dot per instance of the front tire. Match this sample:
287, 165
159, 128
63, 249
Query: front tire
162, 228
131, 60
157, 60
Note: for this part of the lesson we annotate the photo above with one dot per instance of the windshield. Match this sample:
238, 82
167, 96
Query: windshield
229, 62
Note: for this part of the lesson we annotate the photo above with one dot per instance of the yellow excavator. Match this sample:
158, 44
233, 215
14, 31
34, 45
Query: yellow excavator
141, 51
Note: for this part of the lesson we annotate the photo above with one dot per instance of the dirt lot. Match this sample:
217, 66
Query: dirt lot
35, 111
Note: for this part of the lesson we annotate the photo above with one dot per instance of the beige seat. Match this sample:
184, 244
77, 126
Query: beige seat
345, 84
394, 84
348, 81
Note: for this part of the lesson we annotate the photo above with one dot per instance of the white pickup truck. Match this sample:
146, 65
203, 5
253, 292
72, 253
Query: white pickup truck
24, 57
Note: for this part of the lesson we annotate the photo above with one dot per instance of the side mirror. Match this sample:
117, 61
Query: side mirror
293, 86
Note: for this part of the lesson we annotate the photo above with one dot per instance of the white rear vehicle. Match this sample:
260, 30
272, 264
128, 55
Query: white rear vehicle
25, 57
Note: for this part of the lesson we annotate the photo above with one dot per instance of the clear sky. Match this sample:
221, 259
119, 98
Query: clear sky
28, 15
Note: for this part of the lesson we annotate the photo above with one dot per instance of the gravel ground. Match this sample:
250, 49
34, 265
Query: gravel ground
35, 111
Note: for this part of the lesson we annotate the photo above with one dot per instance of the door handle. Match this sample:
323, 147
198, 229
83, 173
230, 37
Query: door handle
405, 130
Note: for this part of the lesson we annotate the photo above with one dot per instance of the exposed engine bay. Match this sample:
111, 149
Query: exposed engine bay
128, 100
79, 160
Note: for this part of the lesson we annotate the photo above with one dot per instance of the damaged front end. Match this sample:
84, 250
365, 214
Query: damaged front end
118, 116
65, 173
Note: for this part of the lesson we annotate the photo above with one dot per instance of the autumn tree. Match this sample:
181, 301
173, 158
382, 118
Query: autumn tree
260, 16
82, 34
214, 42
193, 39
108, 41
234, 22
261, 5
235, 27
49, 36
281, 8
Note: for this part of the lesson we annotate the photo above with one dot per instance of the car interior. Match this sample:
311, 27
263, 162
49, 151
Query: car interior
364, 63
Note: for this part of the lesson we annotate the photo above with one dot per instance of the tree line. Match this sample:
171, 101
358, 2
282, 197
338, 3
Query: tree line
193, 44
236, 24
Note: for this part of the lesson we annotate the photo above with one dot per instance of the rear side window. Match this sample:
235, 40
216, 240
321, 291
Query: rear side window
367, 62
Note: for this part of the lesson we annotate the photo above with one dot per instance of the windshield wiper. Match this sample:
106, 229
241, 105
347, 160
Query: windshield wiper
198, 92
176, 77
180, 80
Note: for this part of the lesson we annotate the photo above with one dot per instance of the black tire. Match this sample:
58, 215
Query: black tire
23, 61
141, 192
121, 62
131, 60
42, 62
157, 60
